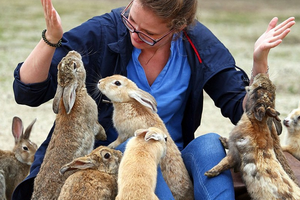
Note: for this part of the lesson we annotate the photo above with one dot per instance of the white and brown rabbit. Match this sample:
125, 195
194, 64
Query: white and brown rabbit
252, 146
95, 178
138, 167
136, 109
15, 164
76, 125
292, 138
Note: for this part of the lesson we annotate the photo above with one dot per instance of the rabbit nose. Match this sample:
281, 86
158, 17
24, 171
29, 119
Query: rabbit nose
286, 122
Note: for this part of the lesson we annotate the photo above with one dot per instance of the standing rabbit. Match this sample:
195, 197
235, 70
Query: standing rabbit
76, 125
252, 147
95, 178
136, 109
138, 168
15, 164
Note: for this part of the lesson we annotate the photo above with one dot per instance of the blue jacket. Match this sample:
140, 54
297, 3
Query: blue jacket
105, 45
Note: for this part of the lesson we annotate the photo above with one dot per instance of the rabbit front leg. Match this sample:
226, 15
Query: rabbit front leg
117, 142
2, 186
226, 163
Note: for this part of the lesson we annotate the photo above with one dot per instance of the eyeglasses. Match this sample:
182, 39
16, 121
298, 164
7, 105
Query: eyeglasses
143, 36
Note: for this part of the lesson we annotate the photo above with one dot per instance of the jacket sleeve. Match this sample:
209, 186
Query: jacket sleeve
227, 89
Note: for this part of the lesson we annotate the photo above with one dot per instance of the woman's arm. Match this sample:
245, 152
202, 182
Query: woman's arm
35, 69
271, 38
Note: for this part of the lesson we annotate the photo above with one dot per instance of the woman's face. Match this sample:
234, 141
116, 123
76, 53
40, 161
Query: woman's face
147, 22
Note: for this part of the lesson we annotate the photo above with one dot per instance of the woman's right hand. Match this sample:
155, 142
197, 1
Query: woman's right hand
53, 22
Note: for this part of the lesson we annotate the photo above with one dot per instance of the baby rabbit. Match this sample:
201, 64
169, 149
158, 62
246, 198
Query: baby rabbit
96, 177
251, 147
136, 109
15, 164
292, 123
76, 125
138, 167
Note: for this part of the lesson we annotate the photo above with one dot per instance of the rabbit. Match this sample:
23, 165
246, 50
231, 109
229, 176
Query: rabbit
138, 167
15, 164
251, 147
136, 109
76, 125
292, 138
95, 178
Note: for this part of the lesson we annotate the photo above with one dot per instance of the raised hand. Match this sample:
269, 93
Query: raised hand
271, 38
53, 22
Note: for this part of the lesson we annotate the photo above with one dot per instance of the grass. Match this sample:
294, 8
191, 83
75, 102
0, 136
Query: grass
237, 23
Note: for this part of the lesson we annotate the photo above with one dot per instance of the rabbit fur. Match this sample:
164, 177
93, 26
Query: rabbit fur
75, 128
15, 164
251, 147
138, 167
136, 109
95, 178
292, 138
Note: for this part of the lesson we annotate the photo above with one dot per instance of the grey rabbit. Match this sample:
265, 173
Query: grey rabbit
76, 126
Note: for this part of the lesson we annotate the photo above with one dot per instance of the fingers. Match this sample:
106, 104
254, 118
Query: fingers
272, 24
286, 24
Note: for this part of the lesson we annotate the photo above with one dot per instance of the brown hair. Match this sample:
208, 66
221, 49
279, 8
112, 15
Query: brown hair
176, 13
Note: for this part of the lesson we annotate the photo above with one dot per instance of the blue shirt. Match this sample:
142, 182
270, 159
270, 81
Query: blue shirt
169, 88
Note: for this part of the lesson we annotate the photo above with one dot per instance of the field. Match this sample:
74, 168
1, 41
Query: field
237, 23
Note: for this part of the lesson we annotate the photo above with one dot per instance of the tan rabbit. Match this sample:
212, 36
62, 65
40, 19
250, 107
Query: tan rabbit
95, 178
15, 164
136, 109
76, 125
138, 168
252, 147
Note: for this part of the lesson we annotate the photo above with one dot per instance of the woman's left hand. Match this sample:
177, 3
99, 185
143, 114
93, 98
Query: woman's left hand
271, 38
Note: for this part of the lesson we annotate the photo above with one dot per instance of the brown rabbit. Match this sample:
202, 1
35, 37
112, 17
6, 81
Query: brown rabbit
96, 177
252, 147
138, 168
76, 125
15, 164
136, 109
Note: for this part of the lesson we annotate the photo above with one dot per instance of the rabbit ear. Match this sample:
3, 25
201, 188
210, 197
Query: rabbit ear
57, 97
78, 163
140, 131
69, 96
17, 129
150, 135
28, 130
259, 113
144, 98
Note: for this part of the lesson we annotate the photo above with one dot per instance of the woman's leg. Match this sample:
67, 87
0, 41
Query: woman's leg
199, 156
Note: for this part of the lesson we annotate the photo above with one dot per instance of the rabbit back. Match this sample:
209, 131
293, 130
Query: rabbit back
11, 171
89, 184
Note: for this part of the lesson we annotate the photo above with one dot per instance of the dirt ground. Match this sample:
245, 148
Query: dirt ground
284, 64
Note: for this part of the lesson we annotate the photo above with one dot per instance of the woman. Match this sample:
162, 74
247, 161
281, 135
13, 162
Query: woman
160, 46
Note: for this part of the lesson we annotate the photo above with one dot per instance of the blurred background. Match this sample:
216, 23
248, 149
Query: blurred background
237, 23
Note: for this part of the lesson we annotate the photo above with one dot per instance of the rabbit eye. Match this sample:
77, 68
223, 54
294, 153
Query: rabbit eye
25, 148
107, 156
117, 83
74, 65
